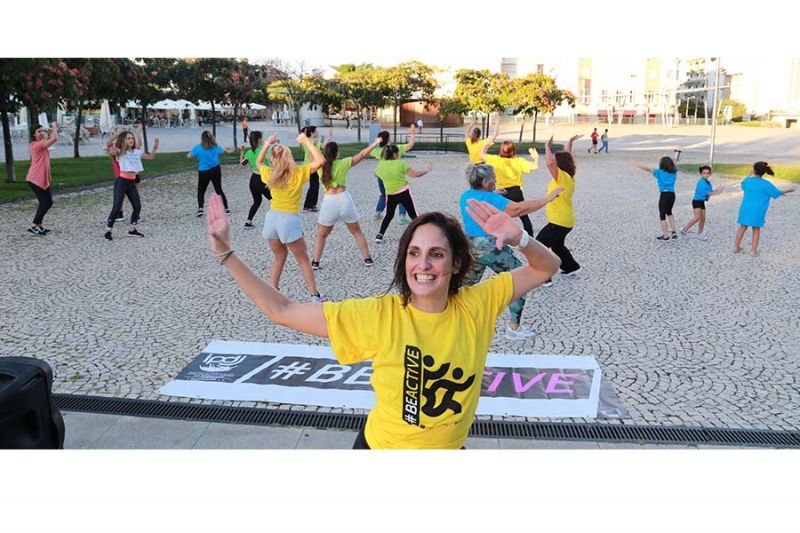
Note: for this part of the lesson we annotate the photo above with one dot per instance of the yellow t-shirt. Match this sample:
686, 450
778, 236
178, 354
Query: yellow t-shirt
474, 149
559, 211
509, 170
427, 367
287, 198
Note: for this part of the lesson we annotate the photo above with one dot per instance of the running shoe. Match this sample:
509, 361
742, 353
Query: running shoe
662, 238
519, 334
378, 215
368, 262
310, 209
318, 298
314, 265
135, 233
227, 211
571, 272
378, 238
684, 234
34, 230
702, 237
674, 235
548, 283
120, 216
199, 212
405, 220
44, 231
108, 236
248, 225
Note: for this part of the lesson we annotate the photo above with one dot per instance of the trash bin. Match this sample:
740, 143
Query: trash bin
374, 130
29, 419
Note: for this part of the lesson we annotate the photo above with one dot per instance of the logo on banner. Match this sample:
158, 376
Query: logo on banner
221, 363
422, 383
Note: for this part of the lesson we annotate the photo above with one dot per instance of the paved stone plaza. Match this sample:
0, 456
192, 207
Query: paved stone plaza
687, 332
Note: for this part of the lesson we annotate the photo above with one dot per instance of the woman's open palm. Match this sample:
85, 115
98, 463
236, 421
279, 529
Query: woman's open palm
218, 227
494, 222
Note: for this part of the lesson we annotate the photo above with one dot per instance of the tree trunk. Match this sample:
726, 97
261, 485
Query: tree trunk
8, 147
33, 119
358, 118
297, 118
521, 129
394, 119
213, 120
441, 130
235, 114
143, 120
77, 139
535, 118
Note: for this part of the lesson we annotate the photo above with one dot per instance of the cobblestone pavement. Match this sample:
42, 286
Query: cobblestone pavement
687, 332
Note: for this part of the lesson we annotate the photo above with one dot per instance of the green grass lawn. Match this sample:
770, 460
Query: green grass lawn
70, 173
783, 172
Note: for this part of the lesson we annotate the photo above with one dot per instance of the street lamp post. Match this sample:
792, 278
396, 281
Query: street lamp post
714, 113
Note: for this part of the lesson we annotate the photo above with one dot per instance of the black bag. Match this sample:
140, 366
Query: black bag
29, 419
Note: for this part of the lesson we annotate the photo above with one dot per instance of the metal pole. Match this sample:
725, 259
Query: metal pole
714, 115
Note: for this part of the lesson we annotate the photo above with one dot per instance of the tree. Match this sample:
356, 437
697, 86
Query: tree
448, 106
537, 94
243, 81
480, 91
359, 86
35, 84
404, 81
206, 79
295, 87
738, 110
151, 81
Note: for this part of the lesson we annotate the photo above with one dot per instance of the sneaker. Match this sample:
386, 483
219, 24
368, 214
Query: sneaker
702, 237
318, 298
108, 236
43, 231
405, 220
314, 265
199, 212
548, 283
684, 234
662, 238
368, 262
378, 238
571, 272
120, 216
135, 233
674, 235
519, 334
34, 230
310, 209
248, 225
378, 215
227, 211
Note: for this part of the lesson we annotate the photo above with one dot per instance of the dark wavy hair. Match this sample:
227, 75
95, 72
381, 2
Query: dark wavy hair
308, 131
459, 245
761, 168
384, 135
389, 151
475, 135
667, 165
255, 138
331, 152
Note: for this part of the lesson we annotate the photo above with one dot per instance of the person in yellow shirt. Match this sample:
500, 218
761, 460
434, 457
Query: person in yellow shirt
427, 342
509, 169
283, 227
472, 138
560, 216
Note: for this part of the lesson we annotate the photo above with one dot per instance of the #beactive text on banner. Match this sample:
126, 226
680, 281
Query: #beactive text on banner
514, 385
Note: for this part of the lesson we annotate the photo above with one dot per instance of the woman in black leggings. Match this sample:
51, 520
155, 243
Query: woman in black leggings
208, 169
257, 187
392, 172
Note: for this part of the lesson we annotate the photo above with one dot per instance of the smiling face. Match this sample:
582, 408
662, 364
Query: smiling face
429, 265
705, 173
130, 141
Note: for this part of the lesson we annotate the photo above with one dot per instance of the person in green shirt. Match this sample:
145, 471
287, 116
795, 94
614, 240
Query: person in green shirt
257, 187
392, 172
338, 204
385, 138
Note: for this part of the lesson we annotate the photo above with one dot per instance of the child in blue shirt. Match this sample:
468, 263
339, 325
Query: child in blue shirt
755, 202
665, 174
702, 191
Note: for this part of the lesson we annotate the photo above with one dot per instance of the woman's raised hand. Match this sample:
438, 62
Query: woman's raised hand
219, 238
494, 222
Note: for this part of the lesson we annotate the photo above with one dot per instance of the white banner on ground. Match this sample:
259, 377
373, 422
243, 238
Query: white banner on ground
512, 385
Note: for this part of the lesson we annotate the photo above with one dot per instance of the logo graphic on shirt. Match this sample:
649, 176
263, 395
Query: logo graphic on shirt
422, 383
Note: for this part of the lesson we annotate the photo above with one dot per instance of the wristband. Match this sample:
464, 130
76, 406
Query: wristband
523, 241
227, 255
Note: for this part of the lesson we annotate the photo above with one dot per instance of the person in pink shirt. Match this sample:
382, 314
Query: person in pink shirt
39, 176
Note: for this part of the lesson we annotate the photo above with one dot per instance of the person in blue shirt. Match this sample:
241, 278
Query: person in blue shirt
665, 174
702, 191
755, 202
485, 250
208, 169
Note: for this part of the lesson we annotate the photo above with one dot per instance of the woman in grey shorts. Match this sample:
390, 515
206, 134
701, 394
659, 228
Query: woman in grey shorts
283, 227
337, 204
